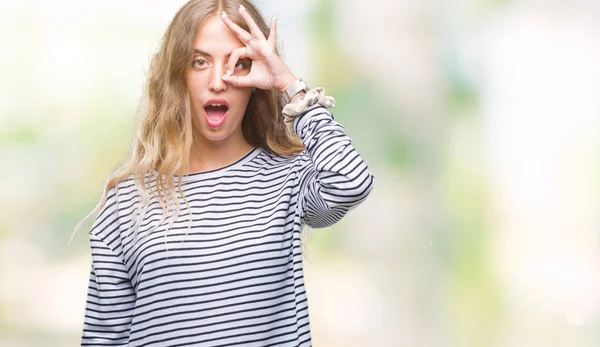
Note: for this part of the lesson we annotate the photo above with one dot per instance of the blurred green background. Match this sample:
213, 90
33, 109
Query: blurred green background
479, 119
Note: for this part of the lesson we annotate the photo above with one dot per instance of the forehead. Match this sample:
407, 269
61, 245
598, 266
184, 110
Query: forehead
215, 38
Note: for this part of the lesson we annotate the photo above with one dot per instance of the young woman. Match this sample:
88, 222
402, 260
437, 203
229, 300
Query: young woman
198, 238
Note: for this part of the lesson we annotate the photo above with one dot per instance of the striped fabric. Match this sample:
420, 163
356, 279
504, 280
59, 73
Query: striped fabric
234, 278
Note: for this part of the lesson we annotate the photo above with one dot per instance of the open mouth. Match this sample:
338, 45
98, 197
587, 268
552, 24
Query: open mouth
215, 114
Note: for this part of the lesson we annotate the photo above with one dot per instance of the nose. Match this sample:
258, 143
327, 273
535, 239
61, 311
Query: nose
216, 83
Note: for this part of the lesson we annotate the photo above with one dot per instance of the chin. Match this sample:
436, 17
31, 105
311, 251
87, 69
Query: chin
217, 134
227, 130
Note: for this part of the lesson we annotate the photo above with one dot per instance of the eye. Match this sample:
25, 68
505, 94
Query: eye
198, 63
241, 65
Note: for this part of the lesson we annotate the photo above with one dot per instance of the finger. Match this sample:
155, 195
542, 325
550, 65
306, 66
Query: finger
242, 34
236, 54
254, 29
273, 34
238, 81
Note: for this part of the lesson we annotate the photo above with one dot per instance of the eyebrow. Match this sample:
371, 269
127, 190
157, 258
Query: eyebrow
206, 54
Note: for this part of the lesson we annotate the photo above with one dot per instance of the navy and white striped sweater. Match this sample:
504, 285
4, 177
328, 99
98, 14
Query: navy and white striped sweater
235, 277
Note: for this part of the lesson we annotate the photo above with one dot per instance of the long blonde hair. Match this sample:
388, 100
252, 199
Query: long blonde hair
163, 143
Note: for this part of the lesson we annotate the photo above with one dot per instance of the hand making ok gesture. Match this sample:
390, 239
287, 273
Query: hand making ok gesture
268, 70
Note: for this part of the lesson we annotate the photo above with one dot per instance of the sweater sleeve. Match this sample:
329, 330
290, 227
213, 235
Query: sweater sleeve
337, 179
111, 296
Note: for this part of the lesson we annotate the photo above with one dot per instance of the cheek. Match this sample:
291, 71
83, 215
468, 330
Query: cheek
194, 83
244, 94
244, 99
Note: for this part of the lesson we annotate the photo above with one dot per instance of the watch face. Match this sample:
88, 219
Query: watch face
295, 88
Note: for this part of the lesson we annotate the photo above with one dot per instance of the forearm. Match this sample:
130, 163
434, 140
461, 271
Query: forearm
340, 179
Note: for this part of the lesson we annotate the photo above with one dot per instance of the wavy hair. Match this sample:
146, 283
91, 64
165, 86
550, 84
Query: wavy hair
163, 142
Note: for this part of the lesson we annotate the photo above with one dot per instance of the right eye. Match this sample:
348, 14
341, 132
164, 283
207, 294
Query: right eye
198, 63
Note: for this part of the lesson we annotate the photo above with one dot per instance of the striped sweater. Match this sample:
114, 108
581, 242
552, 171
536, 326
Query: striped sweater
233, 277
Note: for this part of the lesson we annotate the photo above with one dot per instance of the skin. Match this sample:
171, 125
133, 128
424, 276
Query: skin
233, 61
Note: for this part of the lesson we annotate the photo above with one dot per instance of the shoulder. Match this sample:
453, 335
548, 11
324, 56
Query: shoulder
268, 159
117, 198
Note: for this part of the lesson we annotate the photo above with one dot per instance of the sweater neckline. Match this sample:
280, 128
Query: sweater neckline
218, 171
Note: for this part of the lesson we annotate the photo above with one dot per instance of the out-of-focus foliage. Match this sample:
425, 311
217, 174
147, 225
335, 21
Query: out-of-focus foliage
479, 120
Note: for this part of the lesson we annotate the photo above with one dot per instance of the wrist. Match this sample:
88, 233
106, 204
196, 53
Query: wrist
299, 95
287, 82
292, 90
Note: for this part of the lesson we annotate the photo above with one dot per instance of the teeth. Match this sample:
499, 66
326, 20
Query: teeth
215, 105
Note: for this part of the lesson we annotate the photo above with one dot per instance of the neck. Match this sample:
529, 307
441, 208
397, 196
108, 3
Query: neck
211, 155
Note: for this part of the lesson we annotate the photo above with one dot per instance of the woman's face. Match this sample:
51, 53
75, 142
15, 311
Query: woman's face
217, 107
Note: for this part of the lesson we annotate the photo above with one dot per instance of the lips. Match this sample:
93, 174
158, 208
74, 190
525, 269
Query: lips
215, 112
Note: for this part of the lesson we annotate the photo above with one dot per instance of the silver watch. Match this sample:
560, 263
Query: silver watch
295, 88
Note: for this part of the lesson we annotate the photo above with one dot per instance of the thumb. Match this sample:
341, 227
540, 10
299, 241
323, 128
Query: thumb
237, 81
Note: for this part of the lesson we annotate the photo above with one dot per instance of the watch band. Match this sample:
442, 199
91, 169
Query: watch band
295, 88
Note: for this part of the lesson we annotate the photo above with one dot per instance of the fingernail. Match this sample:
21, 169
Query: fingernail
223, 14
242, 8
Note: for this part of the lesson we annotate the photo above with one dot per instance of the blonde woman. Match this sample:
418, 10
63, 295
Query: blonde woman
198, 238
